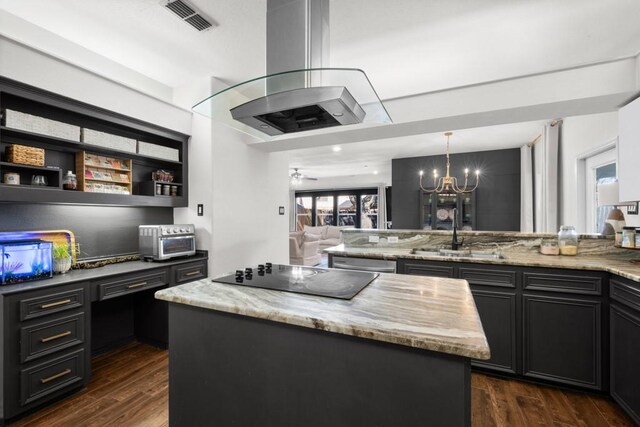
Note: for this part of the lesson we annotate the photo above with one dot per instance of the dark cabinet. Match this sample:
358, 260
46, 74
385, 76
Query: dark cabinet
562, 340
494, 292
544, 324
624, 336
497, 312
189, 272
436, 210
50, 333
425, 268
130, 283
45, 346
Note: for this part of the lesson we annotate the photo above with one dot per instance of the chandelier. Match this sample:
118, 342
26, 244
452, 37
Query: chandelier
448, 184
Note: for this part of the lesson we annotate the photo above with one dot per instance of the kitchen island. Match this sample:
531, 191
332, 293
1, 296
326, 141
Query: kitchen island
398, 353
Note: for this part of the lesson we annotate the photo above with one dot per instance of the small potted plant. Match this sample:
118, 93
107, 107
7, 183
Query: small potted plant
61, 258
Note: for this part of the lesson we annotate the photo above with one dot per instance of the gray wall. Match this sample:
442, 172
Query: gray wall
100, 230
497, 197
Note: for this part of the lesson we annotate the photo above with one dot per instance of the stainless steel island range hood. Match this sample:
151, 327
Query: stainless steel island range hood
299, 110
298, 94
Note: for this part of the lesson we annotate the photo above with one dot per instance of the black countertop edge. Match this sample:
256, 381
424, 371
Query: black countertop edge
74, 276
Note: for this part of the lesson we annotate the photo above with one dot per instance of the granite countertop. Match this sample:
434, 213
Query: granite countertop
609, 263
82, 275
429, 313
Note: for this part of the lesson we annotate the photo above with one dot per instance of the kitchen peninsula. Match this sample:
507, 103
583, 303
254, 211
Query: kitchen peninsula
570, 321
398, 353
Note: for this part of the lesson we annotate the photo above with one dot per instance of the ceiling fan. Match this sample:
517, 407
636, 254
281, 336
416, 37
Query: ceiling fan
296, 177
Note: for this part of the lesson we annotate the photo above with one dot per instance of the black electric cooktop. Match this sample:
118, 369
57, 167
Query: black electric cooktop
303, 280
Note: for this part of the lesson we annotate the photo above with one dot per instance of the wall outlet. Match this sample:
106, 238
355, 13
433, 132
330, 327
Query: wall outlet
374, 239
281, 210
393, 239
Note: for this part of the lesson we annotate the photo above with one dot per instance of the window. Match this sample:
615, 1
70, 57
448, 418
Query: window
304, 208
598, 168
347, 210
369, 209
324, 210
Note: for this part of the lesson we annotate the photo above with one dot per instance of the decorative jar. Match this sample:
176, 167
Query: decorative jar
568, 240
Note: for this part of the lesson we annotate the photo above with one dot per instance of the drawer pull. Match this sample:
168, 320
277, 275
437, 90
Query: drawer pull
137, 285
56, 376
55, 304
192, 273
55, 337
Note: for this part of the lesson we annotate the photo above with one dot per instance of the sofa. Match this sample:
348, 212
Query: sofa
303, 249
328, 235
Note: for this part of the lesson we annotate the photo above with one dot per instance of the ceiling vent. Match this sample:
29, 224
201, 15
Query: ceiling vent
189, 14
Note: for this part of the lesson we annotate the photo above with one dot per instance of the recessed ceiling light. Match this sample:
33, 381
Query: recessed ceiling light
337, 148
375, 172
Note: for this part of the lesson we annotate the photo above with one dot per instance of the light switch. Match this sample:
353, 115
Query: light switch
200, 210
281, 210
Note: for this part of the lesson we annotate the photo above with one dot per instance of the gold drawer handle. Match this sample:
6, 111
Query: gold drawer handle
55, 304
192, 273
55, 337
137, 285
56, 376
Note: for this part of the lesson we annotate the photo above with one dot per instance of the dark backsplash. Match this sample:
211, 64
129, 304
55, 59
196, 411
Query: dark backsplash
100, 230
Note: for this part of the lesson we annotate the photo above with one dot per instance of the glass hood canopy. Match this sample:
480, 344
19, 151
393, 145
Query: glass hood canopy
295, 101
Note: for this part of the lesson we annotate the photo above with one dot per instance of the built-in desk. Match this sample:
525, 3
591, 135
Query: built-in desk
51, 328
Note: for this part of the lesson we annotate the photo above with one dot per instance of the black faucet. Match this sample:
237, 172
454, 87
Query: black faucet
455, 243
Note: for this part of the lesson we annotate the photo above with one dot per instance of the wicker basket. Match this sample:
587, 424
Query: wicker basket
158, 151
24, 155
107, 140
30, 123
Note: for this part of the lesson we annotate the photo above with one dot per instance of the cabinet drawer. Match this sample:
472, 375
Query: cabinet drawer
129, 284
48, 337
584, 285
189, 272
52, 303
628, 295
54, 375
418, 268
489, 277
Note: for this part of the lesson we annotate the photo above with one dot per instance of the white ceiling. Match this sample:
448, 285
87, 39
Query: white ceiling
414, 46
147, 38
406, 47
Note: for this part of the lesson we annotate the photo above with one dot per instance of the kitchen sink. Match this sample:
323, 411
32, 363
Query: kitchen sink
447, 253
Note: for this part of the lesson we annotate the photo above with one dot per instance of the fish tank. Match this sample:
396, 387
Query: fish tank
25, 260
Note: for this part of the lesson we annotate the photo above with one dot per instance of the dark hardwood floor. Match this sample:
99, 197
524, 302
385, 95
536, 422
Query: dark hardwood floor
130, 388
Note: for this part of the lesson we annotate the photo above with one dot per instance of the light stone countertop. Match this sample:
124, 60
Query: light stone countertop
622, 266
429, 313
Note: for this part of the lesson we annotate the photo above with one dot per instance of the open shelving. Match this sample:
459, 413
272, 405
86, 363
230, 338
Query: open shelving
99, 174
60, 153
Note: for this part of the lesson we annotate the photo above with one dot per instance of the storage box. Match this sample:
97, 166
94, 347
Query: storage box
24, 155
21, 261
107, 140
30, 123
158, 151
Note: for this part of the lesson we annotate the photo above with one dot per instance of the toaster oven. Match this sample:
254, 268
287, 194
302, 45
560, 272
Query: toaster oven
162, 242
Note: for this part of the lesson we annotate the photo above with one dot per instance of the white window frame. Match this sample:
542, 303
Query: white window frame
586, 165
